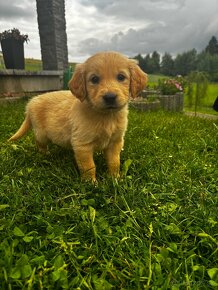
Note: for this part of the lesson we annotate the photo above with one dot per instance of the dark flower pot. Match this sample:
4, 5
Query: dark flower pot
13, 53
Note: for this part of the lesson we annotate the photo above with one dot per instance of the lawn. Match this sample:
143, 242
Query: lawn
31, 64
153, 79
155, 228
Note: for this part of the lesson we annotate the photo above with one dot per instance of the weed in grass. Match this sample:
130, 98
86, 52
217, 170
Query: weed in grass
155, 228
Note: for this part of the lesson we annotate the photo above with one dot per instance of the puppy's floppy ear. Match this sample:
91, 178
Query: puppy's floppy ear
138, 79
77, 84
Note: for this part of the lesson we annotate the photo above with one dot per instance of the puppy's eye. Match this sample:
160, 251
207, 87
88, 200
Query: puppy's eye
95, 80
121, 77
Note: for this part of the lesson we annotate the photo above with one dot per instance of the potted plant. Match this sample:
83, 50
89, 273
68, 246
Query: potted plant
171, 93
12, 43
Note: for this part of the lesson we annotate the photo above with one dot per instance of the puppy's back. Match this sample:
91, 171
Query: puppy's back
44, 108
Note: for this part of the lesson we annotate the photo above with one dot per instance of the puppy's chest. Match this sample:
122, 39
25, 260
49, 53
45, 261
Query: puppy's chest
99, 131
105, 134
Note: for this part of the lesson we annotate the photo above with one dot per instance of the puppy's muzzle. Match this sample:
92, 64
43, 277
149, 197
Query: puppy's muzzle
110, 100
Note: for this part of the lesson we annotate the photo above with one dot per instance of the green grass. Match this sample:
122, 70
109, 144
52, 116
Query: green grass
156, 228
153, 79
33, 64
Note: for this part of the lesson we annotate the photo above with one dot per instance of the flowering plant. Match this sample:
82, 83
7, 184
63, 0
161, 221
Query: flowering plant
171, 86
14, 33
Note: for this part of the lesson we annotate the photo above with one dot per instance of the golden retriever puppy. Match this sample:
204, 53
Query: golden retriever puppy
92, 115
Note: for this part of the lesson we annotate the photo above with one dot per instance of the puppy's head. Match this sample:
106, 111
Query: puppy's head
106, 80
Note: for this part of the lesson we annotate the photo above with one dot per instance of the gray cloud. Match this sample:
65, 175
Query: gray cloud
169, 26
131, 27
16, 9
139, 9
22, 15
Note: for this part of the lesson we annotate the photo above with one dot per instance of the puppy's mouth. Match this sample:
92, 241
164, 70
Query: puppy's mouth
110, 101
112, 108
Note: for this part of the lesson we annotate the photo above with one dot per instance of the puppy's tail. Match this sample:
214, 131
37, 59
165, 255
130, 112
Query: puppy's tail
24, 128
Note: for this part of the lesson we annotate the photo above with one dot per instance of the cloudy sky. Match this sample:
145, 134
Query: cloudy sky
128, 26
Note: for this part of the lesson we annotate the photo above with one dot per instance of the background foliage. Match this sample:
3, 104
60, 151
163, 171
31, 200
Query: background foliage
184, 63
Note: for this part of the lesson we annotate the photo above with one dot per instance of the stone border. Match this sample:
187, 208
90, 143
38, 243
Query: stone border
14, 83
145, 106
172, 103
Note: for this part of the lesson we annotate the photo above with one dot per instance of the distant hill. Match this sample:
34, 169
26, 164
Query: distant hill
30, 64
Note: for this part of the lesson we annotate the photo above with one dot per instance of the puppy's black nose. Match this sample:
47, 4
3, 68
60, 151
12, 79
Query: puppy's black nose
110, 99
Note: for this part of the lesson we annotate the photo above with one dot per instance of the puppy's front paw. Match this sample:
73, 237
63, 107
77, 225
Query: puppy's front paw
89, 176
115, 175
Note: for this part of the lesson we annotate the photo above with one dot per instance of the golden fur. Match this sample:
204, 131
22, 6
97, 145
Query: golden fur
92, 116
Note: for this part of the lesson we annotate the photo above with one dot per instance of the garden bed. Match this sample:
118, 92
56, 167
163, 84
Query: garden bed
154, 101
145, 105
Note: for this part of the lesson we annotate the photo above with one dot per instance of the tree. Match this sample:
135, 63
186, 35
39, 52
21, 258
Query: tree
155, 62
212, 47
209, 64
167, 65
141, 62
148, 64
186, 62
152, 63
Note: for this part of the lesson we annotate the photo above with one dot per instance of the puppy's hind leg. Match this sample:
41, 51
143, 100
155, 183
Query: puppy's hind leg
43, 148
41, 142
